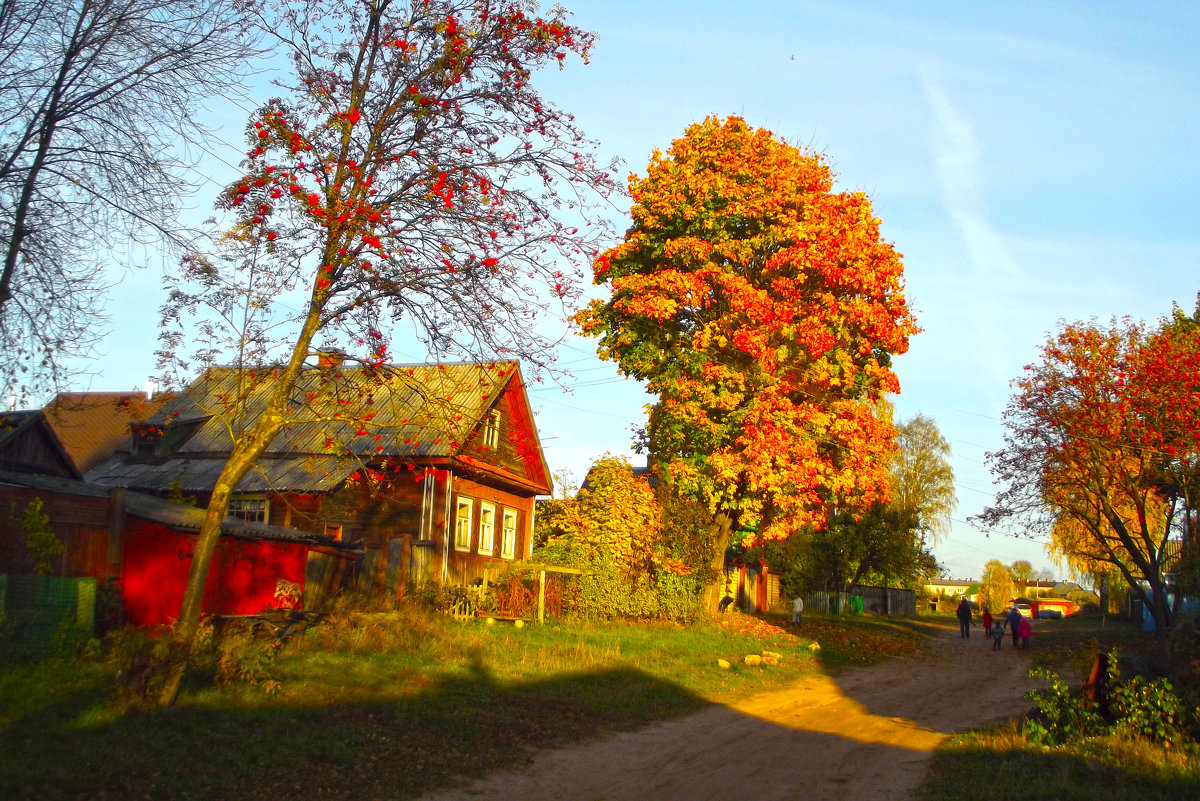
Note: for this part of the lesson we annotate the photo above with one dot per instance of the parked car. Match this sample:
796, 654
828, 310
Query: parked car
1025, 609
1050, 614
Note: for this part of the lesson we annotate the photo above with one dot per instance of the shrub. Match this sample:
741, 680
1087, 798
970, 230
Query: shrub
1148, 709
606, 591
1062, 716
1141, 708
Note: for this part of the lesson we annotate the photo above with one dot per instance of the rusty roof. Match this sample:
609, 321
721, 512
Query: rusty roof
92, 426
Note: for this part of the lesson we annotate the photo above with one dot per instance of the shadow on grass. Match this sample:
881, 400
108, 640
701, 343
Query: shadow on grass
471, 725
465, 726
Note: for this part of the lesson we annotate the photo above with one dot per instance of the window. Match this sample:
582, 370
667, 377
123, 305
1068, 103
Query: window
462, 524
146, 440
487, 527
508, 535
252, 510
333, 531
491, 430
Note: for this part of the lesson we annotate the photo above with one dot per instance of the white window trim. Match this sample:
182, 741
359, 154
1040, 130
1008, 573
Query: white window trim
491, 430
238, 500
508, 544
459, 521
487, 529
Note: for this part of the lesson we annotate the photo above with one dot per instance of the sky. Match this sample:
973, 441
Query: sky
1033, 162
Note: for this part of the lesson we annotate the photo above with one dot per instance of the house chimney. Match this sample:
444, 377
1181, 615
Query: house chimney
150, 388
330, 357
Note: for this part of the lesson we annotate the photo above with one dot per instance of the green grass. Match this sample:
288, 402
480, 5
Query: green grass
1000, 764
393, 704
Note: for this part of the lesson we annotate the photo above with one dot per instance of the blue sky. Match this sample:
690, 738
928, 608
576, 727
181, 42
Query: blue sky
1034, 162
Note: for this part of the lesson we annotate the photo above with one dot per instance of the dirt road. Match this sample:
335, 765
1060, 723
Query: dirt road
866, 734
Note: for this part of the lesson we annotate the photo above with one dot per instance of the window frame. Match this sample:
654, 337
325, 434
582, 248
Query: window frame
240, 513
467, 502
491, 430
486, 509
508, 545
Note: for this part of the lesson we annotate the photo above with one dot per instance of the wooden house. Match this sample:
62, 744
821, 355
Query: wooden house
140, 547
430, 470
73, 433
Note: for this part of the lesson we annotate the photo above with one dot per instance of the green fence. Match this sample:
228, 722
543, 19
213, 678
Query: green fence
36, 609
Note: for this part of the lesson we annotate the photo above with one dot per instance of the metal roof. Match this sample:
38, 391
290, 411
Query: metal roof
342, 417
167, 513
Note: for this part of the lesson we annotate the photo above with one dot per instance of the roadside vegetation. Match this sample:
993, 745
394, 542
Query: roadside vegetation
1145, 748
395, 701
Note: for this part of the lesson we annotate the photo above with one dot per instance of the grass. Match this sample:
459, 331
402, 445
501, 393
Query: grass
394, 704
1001, 764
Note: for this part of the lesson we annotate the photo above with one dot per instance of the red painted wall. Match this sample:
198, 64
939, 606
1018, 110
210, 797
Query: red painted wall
241, 581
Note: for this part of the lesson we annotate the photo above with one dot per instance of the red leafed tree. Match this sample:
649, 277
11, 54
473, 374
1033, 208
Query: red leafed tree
410, 175
1102, 448
762, 309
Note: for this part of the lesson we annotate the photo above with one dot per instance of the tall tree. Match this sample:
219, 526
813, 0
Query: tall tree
412, 174
1103, 438
996, 588
762, 308
921, 478
1021, 570
94, 98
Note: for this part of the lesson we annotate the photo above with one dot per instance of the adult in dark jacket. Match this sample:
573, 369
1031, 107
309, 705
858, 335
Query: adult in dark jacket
964, 618
1013, 620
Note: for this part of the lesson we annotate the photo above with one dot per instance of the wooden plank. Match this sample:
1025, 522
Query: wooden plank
542, 596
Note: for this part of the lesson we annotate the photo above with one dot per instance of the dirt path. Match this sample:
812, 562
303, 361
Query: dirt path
868, 733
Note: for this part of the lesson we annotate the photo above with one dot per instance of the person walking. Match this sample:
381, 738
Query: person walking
987, 623
797, 609
964, 618
1013, 619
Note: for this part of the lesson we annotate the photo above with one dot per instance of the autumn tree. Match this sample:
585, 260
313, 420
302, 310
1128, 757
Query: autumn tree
1103, 439
996, 589
1022, 570
95, 97
412, 175
921, 478
762, 309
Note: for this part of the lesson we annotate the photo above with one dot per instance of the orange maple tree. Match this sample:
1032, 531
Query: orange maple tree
762, 308
1103, 450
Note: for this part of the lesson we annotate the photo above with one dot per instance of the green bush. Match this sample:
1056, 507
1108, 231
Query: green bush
1148, 709
605, 591
1062, 716
1140, 708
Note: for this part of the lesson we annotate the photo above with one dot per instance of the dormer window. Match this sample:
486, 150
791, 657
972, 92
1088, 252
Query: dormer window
146, 439
491, 430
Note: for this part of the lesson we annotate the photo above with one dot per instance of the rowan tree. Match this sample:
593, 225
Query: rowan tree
1103, 439
762, 309
94, 99
411, 174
